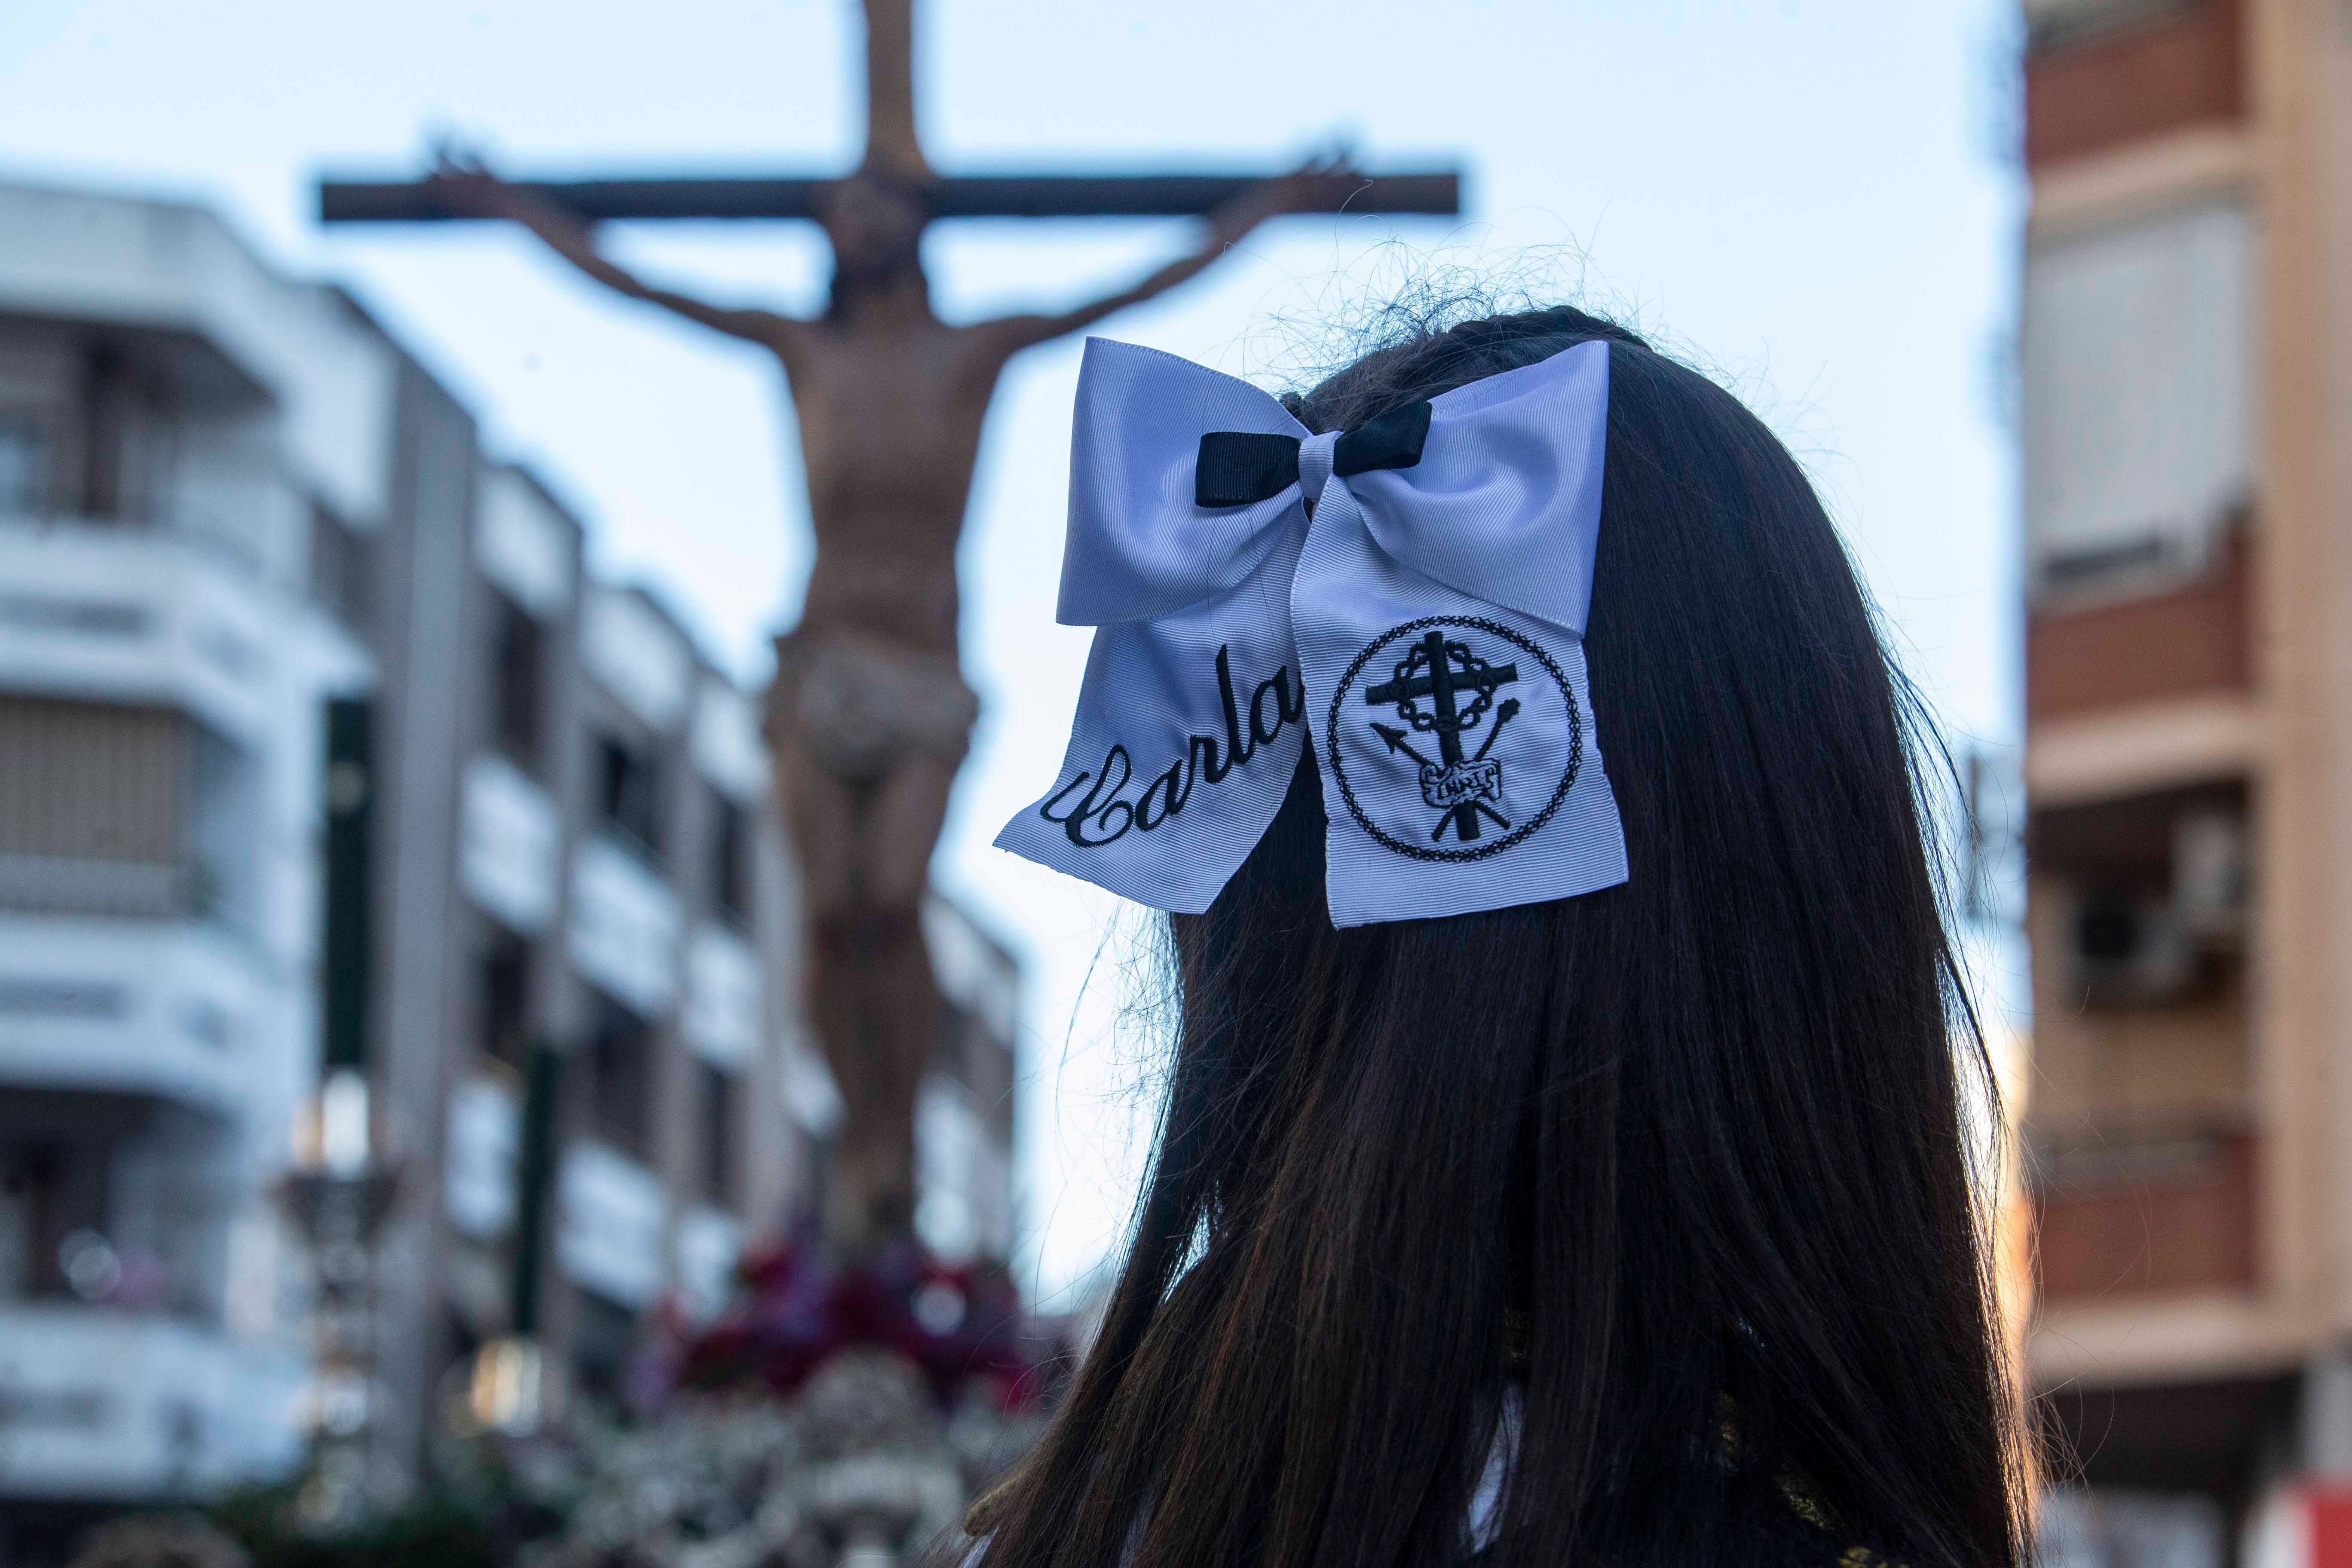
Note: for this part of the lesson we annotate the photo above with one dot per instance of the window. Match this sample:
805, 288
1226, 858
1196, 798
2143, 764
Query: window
520, 652
731, 889
24, 464
2139, 442
115, 422
620, 1064
343, 568
506, 1001
626, 793
720, 1139
51, 1208
25, 1198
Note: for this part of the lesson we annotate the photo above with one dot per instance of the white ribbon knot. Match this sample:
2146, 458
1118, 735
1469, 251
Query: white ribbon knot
1425, 630
1314, 455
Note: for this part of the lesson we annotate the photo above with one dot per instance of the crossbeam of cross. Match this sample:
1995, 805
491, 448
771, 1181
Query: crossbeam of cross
894, 148
345, 200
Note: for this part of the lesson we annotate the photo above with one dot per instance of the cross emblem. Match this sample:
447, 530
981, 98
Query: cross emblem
1444, 672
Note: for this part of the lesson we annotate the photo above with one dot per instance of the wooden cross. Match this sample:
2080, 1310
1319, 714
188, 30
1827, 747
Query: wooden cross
870, 715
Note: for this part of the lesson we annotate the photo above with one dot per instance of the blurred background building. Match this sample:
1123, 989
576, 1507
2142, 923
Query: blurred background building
2185, 364
257, 574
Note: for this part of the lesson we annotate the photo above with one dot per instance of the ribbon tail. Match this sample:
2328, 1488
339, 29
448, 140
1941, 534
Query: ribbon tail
1491, 795
1188, 730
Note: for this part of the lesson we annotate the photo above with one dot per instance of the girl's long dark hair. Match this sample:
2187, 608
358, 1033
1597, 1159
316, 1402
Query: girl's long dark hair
1705, 1135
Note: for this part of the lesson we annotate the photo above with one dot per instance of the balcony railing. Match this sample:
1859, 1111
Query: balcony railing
59, 884
102, 1404
2145, 1211
172, 517
156, 1009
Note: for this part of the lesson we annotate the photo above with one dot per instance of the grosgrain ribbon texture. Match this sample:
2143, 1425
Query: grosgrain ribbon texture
1424, 632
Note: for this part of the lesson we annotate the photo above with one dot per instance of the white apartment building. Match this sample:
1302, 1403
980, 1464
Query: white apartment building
225, 499
170, 415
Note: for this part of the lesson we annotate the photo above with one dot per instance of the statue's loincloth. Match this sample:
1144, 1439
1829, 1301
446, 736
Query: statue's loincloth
861, 704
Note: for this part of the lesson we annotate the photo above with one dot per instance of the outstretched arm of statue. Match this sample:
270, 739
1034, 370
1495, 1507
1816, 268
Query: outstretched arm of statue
1319, 184
466, 187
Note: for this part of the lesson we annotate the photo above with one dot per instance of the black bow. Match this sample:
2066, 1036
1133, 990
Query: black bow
1237, 467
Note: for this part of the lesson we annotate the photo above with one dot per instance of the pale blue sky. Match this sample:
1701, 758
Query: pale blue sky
1814, 199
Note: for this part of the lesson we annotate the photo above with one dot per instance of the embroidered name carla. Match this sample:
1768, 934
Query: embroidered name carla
1104, 815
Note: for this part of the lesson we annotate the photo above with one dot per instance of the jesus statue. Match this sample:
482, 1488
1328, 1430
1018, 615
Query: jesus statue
869, 716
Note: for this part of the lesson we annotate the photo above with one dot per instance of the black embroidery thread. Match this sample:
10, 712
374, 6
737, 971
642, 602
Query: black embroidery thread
1459, 788
1201, 759
1410, 686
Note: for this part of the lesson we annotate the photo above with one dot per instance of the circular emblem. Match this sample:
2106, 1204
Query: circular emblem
1441, 694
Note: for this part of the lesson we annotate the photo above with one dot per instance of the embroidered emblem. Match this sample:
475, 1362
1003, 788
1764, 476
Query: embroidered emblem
1445, 688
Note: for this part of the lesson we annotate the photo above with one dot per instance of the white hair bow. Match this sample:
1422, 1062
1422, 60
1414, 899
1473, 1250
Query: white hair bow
1423, 624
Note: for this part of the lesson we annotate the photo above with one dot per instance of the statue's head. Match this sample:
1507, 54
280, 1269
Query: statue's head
876, 222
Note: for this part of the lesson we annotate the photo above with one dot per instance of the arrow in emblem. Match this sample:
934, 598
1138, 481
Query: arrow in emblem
1397, 743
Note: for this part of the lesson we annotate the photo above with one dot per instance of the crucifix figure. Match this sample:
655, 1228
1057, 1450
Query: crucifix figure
870, 714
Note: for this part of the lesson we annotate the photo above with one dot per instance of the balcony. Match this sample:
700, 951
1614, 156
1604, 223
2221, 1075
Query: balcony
485, 1137
709, 1242
634, 653
102, 1404
509, 846
2144, 1212
624, 927
724, 1004
167, 1010
2144, 1169
2193, 640
2144, 1148
2152, 691
179, 274
612, 1214
2111, 73
127, 613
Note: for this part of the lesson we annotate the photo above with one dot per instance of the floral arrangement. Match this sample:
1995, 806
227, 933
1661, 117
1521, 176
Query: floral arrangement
960, 1326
